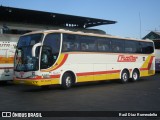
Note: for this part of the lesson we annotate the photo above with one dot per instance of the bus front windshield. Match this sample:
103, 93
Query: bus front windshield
24, 61
23, 57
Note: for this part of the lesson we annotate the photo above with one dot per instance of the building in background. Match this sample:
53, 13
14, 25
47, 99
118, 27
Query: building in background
20, 21
16, 21
155, 36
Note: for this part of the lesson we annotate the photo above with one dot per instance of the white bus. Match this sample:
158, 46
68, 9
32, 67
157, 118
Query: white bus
157, 54
65, 57
7, 51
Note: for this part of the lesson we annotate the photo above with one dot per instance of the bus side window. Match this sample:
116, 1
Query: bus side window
147, 47
84, 47
70, 43
130, 46
66, 47
75, 47
117, 45
115, 48
103, 45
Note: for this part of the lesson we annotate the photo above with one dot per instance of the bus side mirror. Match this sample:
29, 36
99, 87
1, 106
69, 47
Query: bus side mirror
34, 49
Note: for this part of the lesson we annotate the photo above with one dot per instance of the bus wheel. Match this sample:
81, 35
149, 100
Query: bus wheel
124, 76
135, 76
67, 81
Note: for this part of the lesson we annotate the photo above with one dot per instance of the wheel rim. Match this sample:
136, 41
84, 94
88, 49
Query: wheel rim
125, 77
135, 76
68, 81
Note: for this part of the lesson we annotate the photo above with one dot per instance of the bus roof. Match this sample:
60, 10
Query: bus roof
84, 33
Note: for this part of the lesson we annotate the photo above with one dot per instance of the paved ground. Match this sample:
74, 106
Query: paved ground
143, 95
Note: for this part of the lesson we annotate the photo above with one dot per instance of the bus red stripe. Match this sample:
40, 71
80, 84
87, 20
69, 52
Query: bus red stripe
141, 69
63, 61
99, 72
149, 64
6, 67
55, 76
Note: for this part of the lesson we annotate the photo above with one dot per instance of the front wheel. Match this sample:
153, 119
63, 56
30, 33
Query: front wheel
124, 76
67, 81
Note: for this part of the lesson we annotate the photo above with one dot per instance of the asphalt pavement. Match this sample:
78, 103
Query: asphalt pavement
143, 95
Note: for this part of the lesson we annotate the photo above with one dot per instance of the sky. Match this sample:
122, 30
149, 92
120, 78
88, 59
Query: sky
135, 18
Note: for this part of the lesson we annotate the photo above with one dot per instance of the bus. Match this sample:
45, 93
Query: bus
66, 57
157, 54
7, 51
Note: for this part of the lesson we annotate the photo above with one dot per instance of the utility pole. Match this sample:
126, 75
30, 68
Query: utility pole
140, 25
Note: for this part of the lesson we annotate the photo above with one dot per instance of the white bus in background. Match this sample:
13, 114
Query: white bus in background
7, 51
157, 54
66, 57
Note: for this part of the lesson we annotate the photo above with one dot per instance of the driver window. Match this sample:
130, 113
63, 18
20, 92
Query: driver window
46, 58
50, 50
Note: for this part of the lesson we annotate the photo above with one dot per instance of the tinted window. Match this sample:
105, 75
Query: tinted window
50, 51
29, 40
117, 46
146, 47
87, 43
99, 44
103, 44
78, 43
131, 46
70, 43
53, 41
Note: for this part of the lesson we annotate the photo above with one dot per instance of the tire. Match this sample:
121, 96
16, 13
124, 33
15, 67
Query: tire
124, 76
135, 76
67, 81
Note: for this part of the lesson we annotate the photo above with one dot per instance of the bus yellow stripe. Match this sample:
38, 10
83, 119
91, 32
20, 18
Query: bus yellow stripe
5, 60
147, 63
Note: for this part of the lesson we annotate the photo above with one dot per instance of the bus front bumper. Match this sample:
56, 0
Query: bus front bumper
39, 82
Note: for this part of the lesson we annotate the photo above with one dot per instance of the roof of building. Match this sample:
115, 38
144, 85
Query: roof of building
153, 35
158, 33
18, 15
